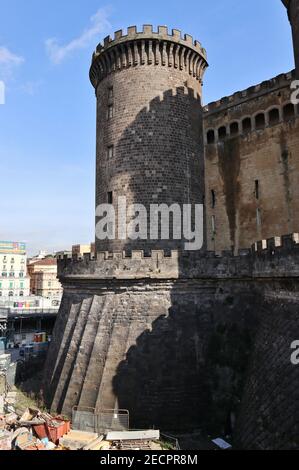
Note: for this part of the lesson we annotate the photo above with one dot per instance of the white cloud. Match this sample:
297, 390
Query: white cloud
8, 61
99, 25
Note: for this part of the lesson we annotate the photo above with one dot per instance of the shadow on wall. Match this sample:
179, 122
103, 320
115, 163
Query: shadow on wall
188, 372
157, 160
269, 414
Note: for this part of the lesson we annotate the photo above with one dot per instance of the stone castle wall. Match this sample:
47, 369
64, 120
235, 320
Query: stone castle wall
252, 165
180, 348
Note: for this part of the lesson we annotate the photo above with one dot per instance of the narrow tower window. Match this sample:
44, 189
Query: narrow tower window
211, 137
246, 125
257, 189
222, 133
110, 111
234, 128
110, 197
260, 121
110, 152
213, 199
110, 93
274, 117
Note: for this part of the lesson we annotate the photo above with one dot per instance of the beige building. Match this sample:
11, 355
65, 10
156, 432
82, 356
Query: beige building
43, 278
14, 281
252, 165
80, 250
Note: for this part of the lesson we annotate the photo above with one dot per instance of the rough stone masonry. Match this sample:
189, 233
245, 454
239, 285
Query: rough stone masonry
182, 340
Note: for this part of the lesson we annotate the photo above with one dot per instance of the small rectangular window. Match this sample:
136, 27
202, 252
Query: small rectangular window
213, 199
110, 152
257, 189
110, 93
110, 197
110, 111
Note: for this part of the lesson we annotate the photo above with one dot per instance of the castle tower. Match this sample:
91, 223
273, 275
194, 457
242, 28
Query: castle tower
150, 150
293, 12
149, 125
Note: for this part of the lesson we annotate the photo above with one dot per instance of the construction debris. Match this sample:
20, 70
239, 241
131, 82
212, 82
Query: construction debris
34, 430
5, 440
77, 440
96, 444
38, 430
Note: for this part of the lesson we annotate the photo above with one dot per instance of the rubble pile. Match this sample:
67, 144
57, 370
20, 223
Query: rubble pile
37, 430
33, 430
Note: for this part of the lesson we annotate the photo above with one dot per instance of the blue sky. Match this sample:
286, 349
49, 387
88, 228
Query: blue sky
47, 126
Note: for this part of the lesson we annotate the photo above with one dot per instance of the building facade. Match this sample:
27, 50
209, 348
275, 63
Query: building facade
14, 280
80, 250
252, 159
252, 165
43, 278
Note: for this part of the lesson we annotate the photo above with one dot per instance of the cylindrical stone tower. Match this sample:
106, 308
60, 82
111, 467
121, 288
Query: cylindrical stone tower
149, 150
149, 127
293, 11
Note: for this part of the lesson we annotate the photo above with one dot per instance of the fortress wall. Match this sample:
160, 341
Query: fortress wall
183, 355
187, 352
252, 172
160, 349
269, 415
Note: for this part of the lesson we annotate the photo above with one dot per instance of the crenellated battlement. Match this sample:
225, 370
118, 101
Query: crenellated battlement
263, 259
277, 244
149, 33
240, 97
148, 47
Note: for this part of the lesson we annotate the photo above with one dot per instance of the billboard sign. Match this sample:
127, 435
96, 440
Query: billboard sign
12, 247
